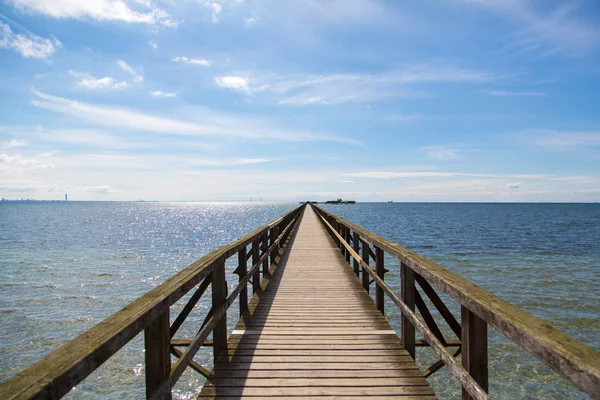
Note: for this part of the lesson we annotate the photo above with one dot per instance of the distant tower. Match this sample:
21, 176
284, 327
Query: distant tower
66, 197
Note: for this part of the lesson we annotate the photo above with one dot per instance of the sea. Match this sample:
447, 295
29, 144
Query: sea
65, 266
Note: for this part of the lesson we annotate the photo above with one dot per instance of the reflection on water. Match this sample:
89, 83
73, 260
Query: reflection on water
67, 266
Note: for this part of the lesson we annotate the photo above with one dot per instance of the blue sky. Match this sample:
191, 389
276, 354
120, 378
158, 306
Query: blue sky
204, 100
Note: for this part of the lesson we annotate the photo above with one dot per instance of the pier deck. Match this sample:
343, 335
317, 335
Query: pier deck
314, 332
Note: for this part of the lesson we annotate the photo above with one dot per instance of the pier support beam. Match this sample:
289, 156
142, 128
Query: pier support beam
219, 294
407, 282
157, 341
474, 349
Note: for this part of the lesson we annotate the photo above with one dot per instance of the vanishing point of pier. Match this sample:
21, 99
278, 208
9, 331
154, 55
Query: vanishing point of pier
311, 328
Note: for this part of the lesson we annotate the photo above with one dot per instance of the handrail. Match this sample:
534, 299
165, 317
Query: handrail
576, 362
55, 375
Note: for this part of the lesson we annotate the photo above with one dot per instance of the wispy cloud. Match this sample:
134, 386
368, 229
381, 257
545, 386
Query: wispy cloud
27, 44
88, 81
152, 44
302, 89
444, 153
13, 143
555, 31
133, 11
440, 174
563, 139
123, 65
160, 93
214, 7
237, 83
515, 94
194, 61
248, 22
206, 123
513, 185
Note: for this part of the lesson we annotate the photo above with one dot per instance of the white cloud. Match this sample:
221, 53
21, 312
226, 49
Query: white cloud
207, 122
153, 45
302, 89
516, 94
159, 93
102, 10
248, 22
27, 44
441, 152
215, 7
19, 163
238, 83
564, 139
102, 189
13, 143
436, 174
123, 65
195, 61
445, 153
513, 185
87, 81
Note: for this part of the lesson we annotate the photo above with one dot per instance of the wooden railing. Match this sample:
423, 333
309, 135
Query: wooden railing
577, 363
58, 373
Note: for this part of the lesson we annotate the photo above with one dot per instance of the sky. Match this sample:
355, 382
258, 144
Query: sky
232, 100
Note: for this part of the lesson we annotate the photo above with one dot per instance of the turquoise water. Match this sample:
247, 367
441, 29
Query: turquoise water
67, 266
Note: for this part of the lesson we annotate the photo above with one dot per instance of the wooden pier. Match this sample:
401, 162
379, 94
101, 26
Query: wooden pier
311, 329
315, 332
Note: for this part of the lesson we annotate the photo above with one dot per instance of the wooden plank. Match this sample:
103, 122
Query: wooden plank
314, 332
242, 271
576, 362
219, 288
157, 353
474, 349
380, 271
407, 285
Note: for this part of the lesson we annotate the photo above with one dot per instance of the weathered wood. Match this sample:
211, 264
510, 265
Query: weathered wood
242, 272
356, 246
428, 318
59, 372
219, 288
467, 382
348, 238
474, 349
189, 306
576, 362
157, 353
380, 270
439, 304
264, 249
256, 275
272, 237
193, 364
313, 331
365, 257
407, 285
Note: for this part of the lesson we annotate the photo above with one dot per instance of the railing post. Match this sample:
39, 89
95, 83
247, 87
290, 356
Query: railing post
347, 238
157, 342
242, 271
255, 258
219, 294
407, 282
265, 248
272, 237
379, 269
356, 245
365, 257
474, 348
